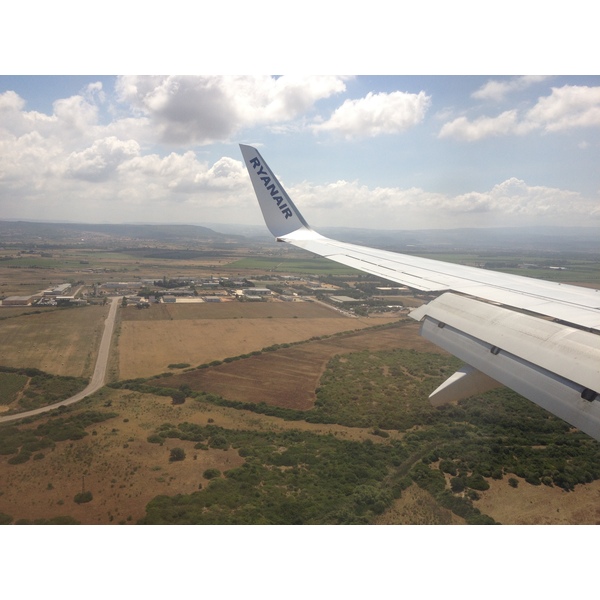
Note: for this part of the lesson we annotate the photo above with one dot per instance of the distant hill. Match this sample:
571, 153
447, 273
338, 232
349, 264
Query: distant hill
496, 239
92, 233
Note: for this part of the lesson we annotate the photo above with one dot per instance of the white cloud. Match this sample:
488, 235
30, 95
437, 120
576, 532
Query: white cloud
377, 114
201, 110
510, 203
73, 119
184, 174
15, 121
112, 181
101, 159
10, 102
498, 90
514, 198
71, 164
484, 127
67, 165
568, 107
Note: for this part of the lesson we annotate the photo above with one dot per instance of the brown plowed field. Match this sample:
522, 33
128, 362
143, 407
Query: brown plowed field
290, 376
231, 310
195, 334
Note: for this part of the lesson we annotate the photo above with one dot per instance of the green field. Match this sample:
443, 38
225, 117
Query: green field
10, 385
309, 266
574, 268
38, 388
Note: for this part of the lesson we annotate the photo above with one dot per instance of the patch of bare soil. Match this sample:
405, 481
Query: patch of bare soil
539, 504
418, 507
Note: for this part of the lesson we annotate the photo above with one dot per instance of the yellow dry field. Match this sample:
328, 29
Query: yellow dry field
121, 469
417, 507
151, 339
60, 342
524, 505
540, 504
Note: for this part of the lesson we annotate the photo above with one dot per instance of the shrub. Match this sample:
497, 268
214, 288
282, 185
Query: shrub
219, 441
83, 497
477, 482
479, 519
211, 473
20, 458
447, 466
177, 454
177, 397
457, 484
380, 432
5, 519
428, 479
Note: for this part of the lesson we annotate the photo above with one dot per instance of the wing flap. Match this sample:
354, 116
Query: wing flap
466, 382
540, 342
549, 390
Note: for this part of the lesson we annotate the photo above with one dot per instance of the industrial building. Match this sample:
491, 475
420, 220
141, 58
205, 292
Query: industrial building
18, 301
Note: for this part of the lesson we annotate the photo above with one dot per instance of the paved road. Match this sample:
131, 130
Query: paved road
98, 377
346, 313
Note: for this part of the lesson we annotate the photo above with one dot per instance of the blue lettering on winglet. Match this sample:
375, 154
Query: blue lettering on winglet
275, 193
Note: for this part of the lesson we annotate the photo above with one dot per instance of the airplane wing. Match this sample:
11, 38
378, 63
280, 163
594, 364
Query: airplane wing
539, 338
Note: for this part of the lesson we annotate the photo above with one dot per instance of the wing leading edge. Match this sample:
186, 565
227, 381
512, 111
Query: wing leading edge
540, 338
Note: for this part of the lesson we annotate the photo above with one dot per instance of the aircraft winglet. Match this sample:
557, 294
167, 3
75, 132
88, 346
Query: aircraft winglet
280, 214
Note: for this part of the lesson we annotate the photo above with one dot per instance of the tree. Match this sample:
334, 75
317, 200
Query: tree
477, 482
83, 497
177, 454
178, 397
5, 519
457, 484
211, 473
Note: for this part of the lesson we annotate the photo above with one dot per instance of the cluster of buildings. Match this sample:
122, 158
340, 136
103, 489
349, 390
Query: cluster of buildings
182, 289
50, 297
285, 288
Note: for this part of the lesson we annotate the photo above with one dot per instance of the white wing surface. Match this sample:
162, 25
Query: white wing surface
540, 338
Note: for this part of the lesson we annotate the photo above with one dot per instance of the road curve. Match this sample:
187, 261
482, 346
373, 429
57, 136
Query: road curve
98, 377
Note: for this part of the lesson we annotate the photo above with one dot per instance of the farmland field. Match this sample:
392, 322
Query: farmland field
152, 339
289, 377
314, 266
61, 342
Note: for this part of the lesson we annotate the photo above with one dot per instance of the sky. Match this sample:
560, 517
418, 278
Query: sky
457, 140
392, 152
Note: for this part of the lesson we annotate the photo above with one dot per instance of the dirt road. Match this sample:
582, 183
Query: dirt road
98, 377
